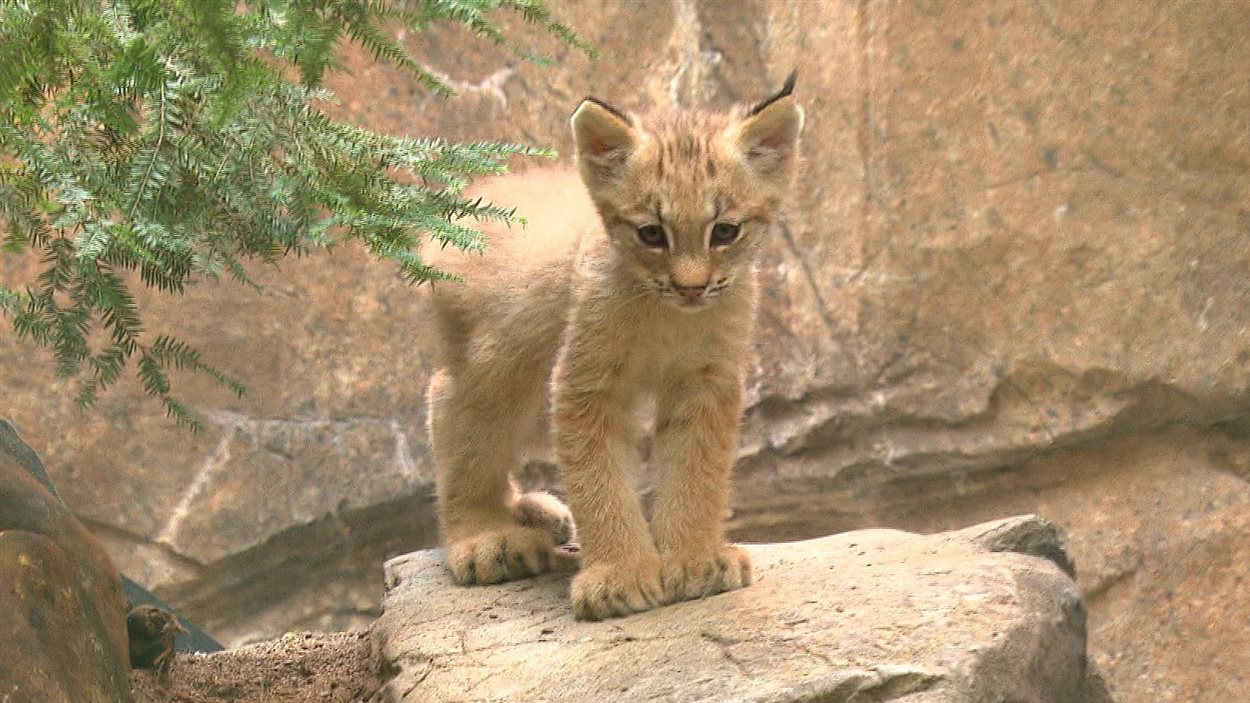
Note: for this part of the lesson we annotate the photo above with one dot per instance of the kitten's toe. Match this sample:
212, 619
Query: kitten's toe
544, 511
500, 555
690, 576
613, 590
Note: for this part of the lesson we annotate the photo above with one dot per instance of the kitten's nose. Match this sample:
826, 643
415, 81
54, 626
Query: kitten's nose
690, 292
690, 275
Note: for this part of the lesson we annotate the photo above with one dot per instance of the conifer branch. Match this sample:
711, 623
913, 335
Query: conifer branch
162, 140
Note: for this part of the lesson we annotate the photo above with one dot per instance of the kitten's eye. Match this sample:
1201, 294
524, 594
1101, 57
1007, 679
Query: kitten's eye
652, 236
724, 233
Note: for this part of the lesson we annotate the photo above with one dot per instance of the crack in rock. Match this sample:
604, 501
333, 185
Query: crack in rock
212, 464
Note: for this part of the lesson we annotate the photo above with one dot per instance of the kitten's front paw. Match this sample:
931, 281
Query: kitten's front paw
543, 510
503, 554
612, 590
698, 575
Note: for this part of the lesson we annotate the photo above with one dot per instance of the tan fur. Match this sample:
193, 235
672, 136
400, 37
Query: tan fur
576, 320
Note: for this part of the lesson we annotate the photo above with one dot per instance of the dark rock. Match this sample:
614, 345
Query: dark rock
57, 641
152, 632
188, 638
61, 607
20, 453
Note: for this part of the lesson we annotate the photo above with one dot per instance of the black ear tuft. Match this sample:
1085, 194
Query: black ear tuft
623, 117
785, 90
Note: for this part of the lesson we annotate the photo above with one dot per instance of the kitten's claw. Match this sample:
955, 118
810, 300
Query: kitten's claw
499, 555
612, 590
690, 576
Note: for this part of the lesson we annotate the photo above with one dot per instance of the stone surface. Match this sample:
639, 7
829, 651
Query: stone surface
1020, 232
62, 614
57, 640
872, 615
1157, 527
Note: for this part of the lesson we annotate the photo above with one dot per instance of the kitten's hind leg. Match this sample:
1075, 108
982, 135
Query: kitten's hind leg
542, 510
492, 532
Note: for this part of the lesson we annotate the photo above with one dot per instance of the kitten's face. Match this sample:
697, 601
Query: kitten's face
681, 213
687, 198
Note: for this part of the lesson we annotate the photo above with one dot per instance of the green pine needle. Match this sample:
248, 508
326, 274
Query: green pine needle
160, 138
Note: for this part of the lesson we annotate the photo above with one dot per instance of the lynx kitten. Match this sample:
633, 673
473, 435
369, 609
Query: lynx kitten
634, 283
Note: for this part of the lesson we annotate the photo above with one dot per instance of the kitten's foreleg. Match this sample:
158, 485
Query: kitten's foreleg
620, 572
697, 418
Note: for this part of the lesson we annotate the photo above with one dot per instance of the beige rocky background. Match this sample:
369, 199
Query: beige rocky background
1013, 279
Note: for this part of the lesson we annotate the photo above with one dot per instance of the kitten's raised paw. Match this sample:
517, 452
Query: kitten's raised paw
613, 590
502, 554
545, 511
698, 575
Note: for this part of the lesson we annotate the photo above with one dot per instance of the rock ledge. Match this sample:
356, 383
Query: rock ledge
873, 615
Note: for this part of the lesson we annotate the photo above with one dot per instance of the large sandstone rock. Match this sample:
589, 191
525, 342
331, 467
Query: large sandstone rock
1157, 527
62, 615
872, 615
1021, 232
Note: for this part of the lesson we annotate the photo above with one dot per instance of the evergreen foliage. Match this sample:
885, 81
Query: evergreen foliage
165, 137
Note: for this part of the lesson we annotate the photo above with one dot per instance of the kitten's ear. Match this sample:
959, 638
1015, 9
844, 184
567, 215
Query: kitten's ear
768, 136
605, 137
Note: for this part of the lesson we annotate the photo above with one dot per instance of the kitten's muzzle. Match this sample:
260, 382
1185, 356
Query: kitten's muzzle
690, 292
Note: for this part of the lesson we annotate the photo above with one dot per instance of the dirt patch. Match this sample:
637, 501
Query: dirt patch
295, 668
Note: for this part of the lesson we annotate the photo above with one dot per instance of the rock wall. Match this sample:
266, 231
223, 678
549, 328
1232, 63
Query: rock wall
1020, 236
